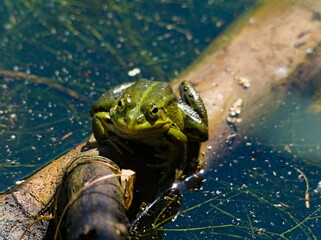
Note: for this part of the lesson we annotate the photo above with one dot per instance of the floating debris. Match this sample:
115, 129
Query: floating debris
66, 136
230, 138
318, 189
134, 72
307, 191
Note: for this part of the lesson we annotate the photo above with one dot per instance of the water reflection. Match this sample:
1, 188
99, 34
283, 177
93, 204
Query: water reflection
267, 188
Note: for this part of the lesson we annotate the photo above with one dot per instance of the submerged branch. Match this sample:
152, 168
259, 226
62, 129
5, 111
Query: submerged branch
43, 81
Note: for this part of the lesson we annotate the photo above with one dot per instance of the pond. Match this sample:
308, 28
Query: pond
59, 56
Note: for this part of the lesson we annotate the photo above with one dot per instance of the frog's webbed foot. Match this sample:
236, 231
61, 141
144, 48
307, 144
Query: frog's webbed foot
162, 154
166, 165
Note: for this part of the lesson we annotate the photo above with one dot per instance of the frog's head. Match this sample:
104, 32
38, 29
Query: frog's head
143, 109
136, 118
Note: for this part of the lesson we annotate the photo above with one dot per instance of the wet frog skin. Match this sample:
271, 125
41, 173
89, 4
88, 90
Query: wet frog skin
149, 112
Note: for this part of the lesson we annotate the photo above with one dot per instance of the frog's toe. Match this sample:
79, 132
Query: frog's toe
164, 177
160, 155
160, 165
125, 147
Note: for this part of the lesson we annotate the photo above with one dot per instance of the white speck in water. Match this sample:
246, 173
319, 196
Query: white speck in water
53, 31
7, 26
219, 24
134, 72
13, 116
318, 189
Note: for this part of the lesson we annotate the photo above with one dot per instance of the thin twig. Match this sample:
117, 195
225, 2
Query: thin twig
43, 81
307, 193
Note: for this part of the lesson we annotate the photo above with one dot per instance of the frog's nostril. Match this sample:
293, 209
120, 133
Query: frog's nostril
140, 119
127, 118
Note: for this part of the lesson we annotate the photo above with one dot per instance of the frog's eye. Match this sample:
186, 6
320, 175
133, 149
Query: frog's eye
153, 111
121, 104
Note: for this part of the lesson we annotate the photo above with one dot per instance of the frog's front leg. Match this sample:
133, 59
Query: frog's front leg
101, 123
177, 142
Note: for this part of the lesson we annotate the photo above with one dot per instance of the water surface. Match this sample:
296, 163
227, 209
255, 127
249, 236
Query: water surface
58, 56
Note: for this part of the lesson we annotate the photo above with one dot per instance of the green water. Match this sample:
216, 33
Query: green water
257, 193
86, 47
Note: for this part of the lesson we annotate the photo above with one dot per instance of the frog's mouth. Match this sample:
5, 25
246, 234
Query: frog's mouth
144, 128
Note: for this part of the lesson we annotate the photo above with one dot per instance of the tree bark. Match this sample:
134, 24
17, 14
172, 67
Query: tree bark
273, 49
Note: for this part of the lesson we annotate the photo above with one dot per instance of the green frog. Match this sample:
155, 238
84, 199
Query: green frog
150, 113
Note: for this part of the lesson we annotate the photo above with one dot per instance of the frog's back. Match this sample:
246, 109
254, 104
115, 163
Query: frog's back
150, 92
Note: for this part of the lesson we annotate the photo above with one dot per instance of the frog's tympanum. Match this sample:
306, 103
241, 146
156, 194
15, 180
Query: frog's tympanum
150, 113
